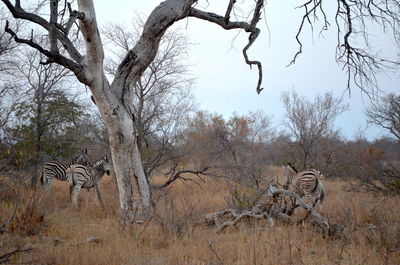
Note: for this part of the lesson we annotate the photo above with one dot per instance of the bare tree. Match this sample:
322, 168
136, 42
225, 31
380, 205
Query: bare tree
8, 102
236, 147
114, 98
8, 90
309, 121
354, 21
47, 109
162, 97
386, 114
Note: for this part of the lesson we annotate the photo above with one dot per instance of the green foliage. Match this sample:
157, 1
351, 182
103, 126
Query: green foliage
47, 126
394, 185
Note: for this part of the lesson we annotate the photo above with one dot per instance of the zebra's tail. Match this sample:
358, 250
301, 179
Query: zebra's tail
42, 181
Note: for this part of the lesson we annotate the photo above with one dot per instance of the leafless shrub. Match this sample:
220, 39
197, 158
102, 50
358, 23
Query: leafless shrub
385, 113
309, 122
24, 212
178, 216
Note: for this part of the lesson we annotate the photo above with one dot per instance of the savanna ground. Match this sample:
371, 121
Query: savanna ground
46, 229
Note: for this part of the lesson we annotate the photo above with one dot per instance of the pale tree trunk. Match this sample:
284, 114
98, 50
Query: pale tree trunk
134, 193
114, 100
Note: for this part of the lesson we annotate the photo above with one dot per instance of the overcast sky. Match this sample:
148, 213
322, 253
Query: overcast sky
225, 84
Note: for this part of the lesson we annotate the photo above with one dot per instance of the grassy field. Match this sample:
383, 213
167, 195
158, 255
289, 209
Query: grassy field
53, 232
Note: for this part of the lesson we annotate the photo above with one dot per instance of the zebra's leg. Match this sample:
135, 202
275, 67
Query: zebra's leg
98, 195
308, 202
95, 196
71, 187
47, 182
310, 199
317, 204
74, 191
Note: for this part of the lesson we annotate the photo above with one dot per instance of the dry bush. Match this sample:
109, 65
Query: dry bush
23, 208
175, 235
22, 220
181, 207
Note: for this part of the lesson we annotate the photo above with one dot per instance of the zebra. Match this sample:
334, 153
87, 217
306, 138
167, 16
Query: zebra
57, 170
82, 159
80, 176
306, 183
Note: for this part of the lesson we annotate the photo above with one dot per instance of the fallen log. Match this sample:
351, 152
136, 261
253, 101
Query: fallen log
272, 212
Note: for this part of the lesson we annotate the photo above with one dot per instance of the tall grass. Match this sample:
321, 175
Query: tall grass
57, 231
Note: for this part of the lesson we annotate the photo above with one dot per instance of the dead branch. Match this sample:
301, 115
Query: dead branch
5, 258
90, 240
73, 16
178, 175
224, 22
53, 25
229, 10
209, 242
234, 217
214, 218
352, 19
60, 35
53, 56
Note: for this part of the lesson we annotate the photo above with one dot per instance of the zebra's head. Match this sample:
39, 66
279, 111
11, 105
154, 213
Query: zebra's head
289, 173
107, 165
82, 159
103, 166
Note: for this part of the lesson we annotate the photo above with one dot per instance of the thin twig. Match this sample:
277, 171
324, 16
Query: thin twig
213, 251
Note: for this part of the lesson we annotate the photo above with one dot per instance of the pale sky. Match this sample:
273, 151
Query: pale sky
225, 84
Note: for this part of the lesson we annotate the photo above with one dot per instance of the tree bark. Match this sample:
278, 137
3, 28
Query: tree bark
134, 193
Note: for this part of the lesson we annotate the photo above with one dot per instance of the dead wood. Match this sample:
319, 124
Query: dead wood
274, 210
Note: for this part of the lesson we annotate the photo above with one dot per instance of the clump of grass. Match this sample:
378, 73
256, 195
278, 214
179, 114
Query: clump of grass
176, 234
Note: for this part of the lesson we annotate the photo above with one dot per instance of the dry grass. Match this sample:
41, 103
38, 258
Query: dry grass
176, 236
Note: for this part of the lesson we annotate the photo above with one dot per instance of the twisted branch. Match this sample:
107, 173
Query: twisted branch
329, 228
60, 35
225, 23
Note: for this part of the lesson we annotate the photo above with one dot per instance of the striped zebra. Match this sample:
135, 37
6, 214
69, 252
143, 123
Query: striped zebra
88, 177
82, 159
306, 183
57, 170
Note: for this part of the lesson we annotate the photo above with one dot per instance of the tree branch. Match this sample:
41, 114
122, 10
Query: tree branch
229, 10
53, 25
228, 25
5, 258
73, 16
178, 175
18, 12
328, 228
53, 56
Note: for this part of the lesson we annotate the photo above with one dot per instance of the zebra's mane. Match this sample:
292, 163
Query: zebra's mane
99, 164
292, 167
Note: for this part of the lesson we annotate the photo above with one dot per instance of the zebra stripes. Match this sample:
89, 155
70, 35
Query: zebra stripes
82, 159
57, 170
305, 183
53, 170
80, 176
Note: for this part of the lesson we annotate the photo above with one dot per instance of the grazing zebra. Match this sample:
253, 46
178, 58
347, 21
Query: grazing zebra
305, 183
56, 170
80, 176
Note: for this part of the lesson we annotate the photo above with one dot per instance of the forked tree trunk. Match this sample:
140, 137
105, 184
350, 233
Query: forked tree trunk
113, 102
